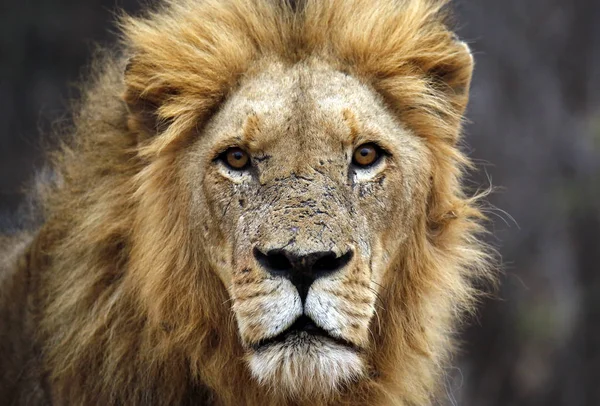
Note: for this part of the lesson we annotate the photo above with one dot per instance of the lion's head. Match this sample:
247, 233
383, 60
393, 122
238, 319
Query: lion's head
308, 188
276, 210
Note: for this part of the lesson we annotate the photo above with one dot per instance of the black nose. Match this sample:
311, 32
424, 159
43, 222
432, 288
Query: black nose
301, 270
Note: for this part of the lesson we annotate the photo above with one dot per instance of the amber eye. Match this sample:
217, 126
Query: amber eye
236, 158
366, 155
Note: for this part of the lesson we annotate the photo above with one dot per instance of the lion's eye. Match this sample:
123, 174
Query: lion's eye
236, 158
366, 155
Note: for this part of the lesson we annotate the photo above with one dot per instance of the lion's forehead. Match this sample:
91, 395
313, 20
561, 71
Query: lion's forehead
310, 96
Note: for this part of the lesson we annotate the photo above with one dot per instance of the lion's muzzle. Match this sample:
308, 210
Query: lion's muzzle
306, 326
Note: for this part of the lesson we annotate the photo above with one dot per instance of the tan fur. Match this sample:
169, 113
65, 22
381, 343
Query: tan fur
145, 288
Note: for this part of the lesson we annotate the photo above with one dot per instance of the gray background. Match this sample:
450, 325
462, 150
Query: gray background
535, 134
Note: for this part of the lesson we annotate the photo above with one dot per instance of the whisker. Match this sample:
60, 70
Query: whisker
378, 298
378, 320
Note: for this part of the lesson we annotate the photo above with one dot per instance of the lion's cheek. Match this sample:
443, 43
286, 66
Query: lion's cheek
264, 309
343, 308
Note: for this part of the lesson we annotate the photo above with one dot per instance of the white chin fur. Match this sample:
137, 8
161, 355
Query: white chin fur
305, 365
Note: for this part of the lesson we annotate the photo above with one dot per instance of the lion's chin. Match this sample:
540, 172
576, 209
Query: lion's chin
305, 364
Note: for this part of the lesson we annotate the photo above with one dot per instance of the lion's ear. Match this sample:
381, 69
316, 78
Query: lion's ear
143, 101
453, 74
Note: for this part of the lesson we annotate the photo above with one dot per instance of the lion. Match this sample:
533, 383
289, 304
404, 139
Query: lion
260, 202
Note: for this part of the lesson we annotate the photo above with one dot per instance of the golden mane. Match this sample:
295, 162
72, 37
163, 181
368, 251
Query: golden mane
118, 259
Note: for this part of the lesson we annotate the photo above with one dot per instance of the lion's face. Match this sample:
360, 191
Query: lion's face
305, 188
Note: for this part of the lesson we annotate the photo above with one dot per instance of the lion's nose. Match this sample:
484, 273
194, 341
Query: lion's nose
301, 270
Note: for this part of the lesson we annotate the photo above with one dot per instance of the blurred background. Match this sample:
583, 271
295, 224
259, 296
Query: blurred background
534, 133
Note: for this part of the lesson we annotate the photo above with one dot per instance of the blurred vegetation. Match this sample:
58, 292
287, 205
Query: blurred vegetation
535, 132
535, 111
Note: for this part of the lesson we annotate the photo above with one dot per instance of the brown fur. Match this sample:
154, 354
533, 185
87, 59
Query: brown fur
124, 301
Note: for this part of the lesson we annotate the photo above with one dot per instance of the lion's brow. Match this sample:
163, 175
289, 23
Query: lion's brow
251, 128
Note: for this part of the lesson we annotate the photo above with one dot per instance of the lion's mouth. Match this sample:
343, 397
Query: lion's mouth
303, 330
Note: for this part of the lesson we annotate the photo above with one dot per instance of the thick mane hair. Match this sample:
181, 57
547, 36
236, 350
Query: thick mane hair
128, 312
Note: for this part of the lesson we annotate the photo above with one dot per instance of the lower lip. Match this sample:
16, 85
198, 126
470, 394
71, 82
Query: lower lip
309, 332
